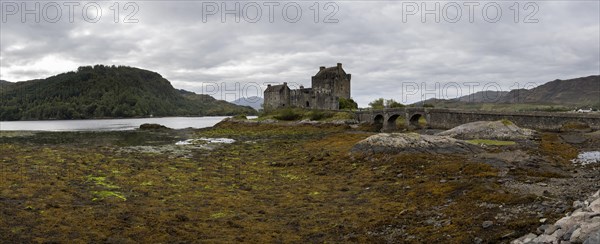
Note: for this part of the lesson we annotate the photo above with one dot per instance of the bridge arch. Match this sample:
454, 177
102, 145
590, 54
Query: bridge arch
418, 120
390, 123
378, 121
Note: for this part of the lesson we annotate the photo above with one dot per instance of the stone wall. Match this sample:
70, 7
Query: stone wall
341, 87
302, 98
327, 101
277, 98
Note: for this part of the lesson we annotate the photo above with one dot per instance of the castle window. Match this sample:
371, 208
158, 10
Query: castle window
307, 104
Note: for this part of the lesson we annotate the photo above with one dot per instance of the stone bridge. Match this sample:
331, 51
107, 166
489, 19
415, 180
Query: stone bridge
434, 118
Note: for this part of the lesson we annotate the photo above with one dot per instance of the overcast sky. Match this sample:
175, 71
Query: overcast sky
385, 45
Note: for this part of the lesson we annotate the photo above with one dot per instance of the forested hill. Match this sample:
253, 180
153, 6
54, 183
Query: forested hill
5, 83
106, 92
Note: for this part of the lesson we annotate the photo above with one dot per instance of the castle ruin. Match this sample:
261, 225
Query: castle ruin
329, 85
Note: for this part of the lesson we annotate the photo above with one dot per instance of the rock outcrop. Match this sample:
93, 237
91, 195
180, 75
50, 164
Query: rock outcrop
495, 130
412, 143
581, 226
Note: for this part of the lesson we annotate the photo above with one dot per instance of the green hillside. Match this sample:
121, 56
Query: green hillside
4, 83
106, 92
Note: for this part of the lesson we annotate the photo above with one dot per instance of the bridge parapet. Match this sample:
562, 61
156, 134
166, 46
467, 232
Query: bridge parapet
449, 118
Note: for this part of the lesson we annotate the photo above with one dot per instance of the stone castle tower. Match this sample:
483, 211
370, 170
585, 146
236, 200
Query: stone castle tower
332, 80
328, 86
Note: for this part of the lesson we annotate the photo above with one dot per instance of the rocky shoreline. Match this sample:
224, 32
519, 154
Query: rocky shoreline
580, 226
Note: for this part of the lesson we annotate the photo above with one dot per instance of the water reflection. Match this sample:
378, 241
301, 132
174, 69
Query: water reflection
585, 158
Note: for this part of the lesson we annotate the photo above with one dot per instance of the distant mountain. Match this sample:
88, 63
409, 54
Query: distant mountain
584, 91
578, 92
106, 92
216, 106
483, 97
477, 97
254, 102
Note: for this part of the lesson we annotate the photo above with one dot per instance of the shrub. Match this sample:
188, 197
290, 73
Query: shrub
319, 115
342, 116
240, 117
287, 114
348, 104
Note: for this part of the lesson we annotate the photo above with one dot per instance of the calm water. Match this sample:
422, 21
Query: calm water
109, 124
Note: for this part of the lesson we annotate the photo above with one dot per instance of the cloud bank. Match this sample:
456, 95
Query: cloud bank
386, 46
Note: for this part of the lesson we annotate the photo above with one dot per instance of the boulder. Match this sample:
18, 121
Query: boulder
412, 143
487, 224
494, 130
587, 230
525, 239
544, 239
595, 206
593, 238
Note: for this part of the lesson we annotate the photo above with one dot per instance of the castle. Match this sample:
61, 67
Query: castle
329, 85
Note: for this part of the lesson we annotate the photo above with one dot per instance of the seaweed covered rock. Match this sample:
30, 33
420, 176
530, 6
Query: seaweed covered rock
496, 130
575, 126
148, 126
412, 143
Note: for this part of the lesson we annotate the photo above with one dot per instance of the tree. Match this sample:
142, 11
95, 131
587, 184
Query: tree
385, 103
391, 103
377, 104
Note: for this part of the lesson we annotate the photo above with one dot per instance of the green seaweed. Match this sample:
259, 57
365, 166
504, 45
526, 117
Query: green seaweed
101, 181
101, 195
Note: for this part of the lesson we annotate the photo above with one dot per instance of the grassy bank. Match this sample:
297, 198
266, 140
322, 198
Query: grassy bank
292, 114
